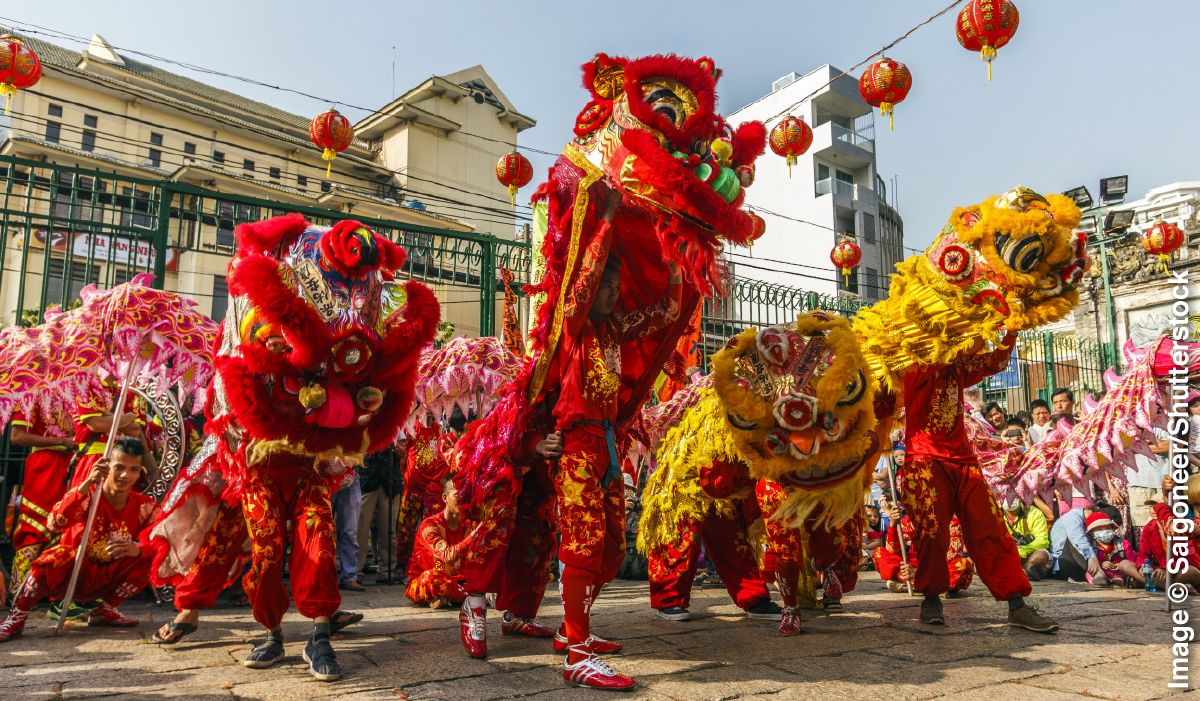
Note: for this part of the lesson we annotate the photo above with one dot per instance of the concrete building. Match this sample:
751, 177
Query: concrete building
1141, 295
834, 190
425, 159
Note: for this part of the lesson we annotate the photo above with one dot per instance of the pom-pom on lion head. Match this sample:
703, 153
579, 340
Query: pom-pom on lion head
799, 403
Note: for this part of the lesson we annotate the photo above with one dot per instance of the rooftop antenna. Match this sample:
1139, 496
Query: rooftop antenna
393, 72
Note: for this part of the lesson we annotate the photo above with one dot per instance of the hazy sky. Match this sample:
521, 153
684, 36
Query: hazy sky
1086, 89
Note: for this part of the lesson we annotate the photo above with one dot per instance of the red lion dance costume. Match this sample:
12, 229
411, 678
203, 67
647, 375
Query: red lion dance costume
315, 368
651, 134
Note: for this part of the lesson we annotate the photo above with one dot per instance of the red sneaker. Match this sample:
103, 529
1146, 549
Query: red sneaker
789, 621
591, 671
831, 584
510, 625
13, 625
472, 624
105, 615
594, 644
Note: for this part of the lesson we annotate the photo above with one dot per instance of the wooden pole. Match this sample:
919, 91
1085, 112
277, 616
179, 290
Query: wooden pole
896, 525
81, 552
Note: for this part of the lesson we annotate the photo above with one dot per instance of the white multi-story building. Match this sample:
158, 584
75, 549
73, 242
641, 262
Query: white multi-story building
833, 190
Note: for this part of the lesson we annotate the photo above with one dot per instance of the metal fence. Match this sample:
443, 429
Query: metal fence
62, 228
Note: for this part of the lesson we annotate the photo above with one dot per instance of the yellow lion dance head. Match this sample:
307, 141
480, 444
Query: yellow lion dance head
799, 404
1010, 262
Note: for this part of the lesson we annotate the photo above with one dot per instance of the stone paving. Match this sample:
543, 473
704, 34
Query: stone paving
1113, 645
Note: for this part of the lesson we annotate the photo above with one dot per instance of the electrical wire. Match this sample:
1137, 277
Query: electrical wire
20, 26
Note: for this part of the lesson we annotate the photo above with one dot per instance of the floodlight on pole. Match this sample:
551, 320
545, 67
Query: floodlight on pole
1118, 221
1114, 189
1081, 196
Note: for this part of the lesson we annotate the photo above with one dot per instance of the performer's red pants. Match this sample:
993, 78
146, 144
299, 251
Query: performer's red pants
592, 523
934, 491
515, 544
672, 567
113, 581
279, 489
960, 569
43, 484
218, 562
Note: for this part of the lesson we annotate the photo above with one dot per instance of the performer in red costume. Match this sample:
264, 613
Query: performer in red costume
646, 133
43, 483
435, 570
589, 488
116, 566
942, 479
896, 572
672, 566
92, 418
512, 546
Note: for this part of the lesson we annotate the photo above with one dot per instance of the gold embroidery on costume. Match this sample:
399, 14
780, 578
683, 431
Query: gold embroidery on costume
945, 409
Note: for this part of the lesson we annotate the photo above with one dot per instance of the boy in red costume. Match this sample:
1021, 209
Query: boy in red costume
92, 419
435, 570
116, 566
44, 479
591, 494
942, 479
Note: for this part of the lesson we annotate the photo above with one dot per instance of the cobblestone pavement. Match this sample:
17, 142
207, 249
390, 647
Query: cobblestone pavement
1113, 645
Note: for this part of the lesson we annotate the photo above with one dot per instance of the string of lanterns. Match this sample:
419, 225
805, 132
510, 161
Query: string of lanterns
982, 25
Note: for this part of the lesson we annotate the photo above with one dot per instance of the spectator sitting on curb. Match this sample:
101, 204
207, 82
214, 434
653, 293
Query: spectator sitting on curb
1028, 528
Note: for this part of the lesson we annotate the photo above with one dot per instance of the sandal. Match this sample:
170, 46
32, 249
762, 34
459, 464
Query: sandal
184, 629
342, 620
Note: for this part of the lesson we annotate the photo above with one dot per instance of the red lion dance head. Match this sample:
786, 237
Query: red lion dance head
320, 346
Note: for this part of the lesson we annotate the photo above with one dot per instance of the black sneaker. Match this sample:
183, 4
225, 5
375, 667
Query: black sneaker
765, 609
265, 655
1030, 618
675, 613
931, 612
318, 653
832, 605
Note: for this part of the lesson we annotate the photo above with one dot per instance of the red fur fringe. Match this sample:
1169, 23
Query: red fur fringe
266, 235
700, 125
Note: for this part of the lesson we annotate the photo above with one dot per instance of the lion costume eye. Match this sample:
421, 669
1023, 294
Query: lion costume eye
741, 424
1022, 255
670, 99
855, 390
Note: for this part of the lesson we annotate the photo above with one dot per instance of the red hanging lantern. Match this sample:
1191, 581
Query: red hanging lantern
1162, 240
790, 139
884, 84
986, 25
331, 132
514, 171
846, 254
19, 68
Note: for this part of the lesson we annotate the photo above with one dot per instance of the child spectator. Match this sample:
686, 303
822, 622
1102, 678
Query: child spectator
1112, 552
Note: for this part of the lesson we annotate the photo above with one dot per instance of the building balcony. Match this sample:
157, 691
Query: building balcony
841, 146
846, 195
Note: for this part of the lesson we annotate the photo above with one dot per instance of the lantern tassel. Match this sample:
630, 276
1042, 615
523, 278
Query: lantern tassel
846, 275
791, 161
987, 53
1163, 259
512, 194
885, 108
328, 155
8, 90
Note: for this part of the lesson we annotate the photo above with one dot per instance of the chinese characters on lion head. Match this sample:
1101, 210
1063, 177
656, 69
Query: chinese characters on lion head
1010, 262
320, 345
799, 403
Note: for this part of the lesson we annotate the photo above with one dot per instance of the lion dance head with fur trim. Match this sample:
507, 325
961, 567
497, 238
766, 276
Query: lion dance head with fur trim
652, 128
320, 345
1011, 262
799, 403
